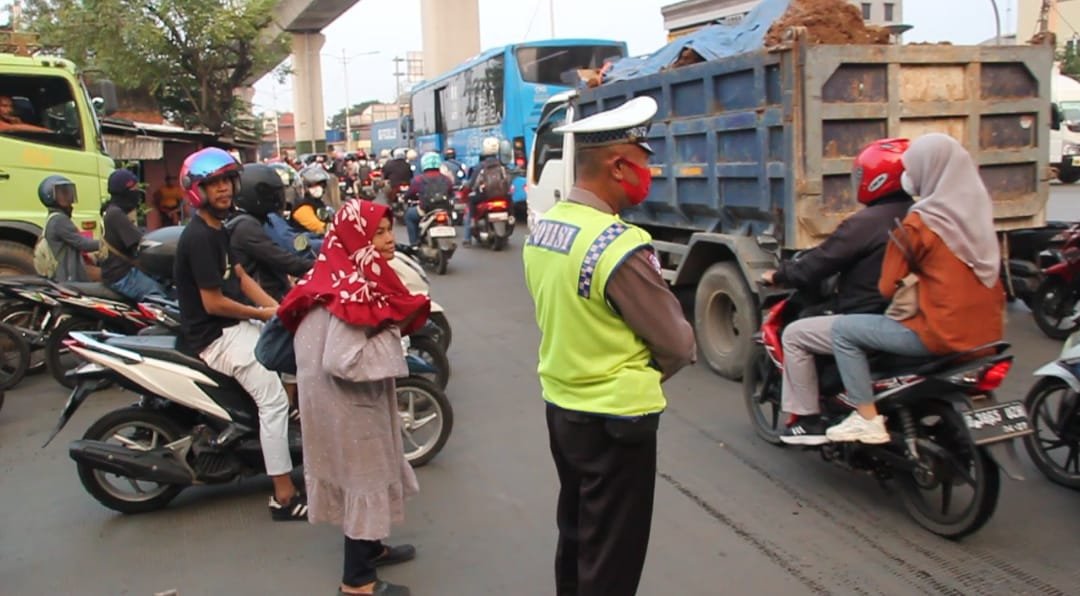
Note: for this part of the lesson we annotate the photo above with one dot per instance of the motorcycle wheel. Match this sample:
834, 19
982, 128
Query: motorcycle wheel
440, 320
1051, 305
441, 263
950, 463
431, 352
426, 419
499, 243
761, 392
58, 358
30, 320
14, 357
148, 430
1054, 409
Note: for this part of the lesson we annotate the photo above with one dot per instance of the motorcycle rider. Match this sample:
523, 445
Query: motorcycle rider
120, 270
412, 156
854, 251
432, 189
60, 237
452, 168
488, 179
305, 214
216, 326
397, 172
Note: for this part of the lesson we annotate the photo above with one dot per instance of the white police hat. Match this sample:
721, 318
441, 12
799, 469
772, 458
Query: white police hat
628, 123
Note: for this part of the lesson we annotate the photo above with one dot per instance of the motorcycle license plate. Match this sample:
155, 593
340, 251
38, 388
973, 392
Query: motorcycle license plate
443, 232
500, 216
998, 423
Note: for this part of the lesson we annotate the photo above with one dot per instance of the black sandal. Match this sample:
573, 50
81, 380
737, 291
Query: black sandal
392, 555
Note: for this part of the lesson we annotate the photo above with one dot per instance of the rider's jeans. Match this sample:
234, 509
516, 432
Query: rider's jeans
233, 354
412, 224
802, 340
137, 286
854, 335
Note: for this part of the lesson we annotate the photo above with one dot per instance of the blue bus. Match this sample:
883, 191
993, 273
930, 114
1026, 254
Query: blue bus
501, 93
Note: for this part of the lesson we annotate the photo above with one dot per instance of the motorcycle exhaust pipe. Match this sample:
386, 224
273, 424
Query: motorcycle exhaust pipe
155, 465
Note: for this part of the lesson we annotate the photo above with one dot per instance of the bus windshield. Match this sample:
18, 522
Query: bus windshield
555, 65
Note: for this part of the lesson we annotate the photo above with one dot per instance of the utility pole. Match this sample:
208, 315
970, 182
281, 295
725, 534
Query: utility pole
348, 127
397, 76
551, 16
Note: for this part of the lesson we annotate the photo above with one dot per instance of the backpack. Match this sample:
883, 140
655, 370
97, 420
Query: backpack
45, 262
493, 179
434, 189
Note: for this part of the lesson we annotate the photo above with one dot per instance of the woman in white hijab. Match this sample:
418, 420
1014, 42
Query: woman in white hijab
949, 244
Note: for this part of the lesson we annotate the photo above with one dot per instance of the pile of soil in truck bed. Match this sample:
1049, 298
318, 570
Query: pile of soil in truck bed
834, 22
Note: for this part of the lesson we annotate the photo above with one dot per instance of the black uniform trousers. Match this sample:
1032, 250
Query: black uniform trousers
607, 475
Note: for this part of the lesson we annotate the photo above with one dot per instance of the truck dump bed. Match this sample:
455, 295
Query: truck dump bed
763, 142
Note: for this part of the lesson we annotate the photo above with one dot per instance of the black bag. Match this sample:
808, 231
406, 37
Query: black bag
493, 180
274, 350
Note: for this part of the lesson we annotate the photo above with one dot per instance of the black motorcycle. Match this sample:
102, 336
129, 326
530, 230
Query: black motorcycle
948, 434
193, 425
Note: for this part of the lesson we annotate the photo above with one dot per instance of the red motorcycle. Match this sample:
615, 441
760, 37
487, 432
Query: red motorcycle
948, 435
493, 223
1055, 299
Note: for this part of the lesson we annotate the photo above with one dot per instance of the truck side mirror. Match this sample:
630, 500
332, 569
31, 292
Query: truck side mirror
103, 97
406, 124
506, 153
1055, 117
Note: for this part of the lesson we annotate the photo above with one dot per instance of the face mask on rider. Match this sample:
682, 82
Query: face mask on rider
908, 184
316, 192
636, 193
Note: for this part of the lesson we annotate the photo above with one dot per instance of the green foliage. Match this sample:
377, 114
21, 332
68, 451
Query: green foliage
337, 122
191, 54
1070, 59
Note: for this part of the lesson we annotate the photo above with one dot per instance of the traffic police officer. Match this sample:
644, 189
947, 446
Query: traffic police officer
612, 331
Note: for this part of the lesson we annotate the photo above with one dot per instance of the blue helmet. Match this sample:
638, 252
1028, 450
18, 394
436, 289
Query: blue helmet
430, 161
53, 185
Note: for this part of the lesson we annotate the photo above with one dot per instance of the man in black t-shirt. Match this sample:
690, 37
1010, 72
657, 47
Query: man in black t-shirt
119, 270
218, 328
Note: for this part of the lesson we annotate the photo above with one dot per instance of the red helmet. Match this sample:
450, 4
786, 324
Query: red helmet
877, 170
205, 165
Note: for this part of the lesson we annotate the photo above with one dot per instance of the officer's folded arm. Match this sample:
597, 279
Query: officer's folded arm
642, 298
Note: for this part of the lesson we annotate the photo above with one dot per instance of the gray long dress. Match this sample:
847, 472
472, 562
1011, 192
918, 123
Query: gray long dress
354, 465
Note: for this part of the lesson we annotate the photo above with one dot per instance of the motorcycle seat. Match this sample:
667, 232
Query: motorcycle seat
96, 290
160, 347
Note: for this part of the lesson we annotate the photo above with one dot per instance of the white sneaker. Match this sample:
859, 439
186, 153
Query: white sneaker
857, 428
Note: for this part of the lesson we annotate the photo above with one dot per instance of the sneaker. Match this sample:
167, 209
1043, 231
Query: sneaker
808, 430
857, 428
295, 510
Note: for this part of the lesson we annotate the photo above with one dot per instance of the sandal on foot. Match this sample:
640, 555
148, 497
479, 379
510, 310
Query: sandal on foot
392, 555
381, 589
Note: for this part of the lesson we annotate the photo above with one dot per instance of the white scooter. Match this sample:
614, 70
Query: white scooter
414, 278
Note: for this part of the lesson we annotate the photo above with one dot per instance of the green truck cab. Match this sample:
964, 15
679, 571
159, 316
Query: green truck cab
64, 137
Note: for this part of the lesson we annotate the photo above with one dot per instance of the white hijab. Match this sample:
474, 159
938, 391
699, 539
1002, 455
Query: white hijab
954, 203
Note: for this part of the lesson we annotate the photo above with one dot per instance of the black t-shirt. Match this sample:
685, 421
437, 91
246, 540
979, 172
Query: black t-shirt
203, 262
123, 237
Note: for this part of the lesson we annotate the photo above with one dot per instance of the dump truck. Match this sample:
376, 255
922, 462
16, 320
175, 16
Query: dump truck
753, 155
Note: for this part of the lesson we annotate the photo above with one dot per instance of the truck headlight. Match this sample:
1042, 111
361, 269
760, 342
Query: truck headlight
1070, 149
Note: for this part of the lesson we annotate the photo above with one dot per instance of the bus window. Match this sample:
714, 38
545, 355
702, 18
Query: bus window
549, 144
556, 65
40, 109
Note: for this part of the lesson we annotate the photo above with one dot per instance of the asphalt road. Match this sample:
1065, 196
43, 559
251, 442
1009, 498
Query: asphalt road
733, 514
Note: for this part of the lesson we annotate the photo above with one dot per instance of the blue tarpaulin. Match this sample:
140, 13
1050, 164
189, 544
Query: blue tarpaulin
711, 43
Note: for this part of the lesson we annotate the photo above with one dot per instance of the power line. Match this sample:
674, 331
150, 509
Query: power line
536, 10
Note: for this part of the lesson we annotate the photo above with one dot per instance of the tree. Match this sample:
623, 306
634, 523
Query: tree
190, 54
1070, 59
337, 122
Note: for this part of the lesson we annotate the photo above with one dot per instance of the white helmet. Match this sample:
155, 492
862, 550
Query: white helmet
384, 154
412, 155
399, 153
490, 146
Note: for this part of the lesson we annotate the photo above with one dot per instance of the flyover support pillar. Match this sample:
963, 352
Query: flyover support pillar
307, 92
451, 33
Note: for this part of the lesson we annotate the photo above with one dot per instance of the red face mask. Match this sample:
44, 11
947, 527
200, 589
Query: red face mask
636, 193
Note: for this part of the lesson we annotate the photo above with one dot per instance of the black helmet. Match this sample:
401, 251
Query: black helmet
49, 187
449, 153
261, 190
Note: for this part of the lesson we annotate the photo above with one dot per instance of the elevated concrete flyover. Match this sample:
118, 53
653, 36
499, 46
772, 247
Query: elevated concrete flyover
305, 20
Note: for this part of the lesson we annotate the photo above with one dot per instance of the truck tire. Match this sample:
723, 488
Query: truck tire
16, 259
1069, 176
725, 318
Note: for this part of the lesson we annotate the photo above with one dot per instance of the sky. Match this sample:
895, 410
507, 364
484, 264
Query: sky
392, 28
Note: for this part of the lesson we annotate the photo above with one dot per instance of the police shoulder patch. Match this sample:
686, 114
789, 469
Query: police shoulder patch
555, 236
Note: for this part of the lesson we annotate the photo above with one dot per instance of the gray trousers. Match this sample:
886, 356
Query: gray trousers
802, 340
